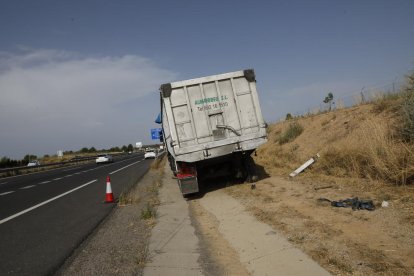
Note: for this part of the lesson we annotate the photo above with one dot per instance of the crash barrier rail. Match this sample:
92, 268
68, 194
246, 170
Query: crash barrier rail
25, 169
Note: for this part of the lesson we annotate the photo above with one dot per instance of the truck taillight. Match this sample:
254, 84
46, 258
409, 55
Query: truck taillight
186, 170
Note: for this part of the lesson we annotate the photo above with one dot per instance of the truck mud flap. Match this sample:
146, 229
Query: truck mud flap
188, 185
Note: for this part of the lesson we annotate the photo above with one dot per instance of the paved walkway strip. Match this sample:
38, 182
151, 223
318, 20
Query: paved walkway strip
260, 248
173, 244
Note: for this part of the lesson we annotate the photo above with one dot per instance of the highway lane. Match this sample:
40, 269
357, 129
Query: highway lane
47, 215
22, 192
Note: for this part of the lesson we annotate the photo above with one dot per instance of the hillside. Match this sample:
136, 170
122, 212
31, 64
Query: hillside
362, 154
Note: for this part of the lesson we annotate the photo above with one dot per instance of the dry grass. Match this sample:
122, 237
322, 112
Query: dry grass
134, 197
361, 142
149, 212
158, 164
370, 152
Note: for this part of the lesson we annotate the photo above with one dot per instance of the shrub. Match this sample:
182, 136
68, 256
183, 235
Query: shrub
407, 111
407, 118
148, 212
294, 130
386, 101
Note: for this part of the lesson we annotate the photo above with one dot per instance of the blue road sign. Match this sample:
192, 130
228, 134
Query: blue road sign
156, 133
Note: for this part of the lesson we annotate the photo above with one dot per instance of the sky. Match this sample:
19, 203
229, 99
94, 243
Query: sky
77, 74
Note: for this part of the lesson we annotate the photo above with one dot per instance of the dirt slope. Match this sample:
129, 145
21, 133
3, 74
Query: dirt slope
344, 241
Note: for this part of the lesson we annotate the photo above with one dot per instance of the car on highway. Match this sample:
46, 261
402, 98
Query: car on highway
104, 158
33, 163
150, 153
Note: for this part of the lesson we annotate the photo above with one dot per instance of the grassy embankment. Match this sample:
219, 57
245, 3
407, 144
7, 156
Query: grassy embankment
373, 141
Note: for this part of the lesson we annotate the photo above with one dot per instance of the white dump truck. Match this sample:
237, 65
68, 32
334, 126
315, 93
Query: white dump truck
211, 126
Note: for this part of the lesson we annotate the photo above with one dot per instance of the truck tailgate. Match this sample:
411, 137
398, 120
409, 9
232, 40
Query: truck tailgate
212, 112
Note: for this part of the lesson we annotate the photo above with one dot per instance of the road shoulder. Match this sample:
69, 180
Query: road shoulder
119, 245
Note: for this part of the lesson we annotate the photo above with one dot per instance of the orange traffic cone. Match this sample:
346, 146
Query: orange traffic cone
109, 195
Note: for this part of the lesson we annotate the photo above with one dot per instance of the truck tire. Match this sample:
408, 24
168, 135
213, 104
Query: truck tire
238, 168
250, 167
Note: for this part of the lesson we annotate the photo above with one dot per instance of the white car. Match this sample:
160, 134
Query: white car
104, 158
33, 163
150, 154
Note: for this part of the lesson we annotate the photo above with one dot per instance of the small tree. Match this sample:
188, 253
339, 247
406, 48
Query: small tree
4, 162
29, 157
288, 116
130, 147
329, 100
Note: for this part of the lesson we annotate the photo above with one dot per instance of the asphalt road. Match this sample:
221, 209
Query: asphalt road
45, 216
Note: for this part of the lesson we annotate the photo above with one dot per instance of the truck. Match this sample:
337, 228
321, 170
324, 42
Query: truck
211, 126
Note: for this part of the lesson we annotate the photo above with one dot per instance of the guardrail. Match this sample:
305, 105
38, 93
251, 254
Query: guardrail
24, 169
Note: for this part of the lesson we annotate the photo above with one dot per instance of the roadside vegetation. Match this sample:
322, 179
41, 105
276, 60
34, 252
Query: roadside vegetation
294, 130
150, 201
374, 141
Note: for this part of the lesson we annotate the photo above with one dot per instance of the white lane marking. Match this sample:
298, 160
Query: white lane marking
44, 182
4, 183
59, 178
45, 202
84, 171
69, 175
124, 167
27, 187
77, 173
6, 193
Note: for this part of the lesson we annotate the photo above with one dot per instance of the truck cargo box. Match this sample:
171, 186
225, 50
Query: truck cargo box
212, 116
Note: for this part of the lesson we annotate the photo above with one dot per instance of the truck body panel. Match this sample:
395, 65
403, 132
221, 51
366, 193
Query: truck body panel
209, 117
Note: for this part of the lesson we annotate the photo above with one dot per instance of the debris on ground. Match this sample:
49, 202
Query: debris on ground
355, 203
323, 187
305, 165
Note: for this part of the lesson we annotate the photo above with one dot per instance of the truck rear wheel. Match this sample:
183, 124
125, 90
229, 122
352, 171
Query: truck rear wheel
250, 168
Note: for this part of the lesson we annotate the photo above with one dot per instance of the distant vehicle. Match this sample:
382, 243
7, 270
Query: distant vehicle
104, 158
149, 153
33, 163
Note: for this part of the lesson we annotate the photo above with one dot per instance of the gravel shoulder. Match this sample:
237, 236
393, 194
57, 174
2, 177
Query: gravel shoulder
119, 245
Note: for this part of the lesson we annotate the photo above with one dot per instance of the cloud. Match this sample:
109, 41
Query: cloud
50, 90
66, 80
